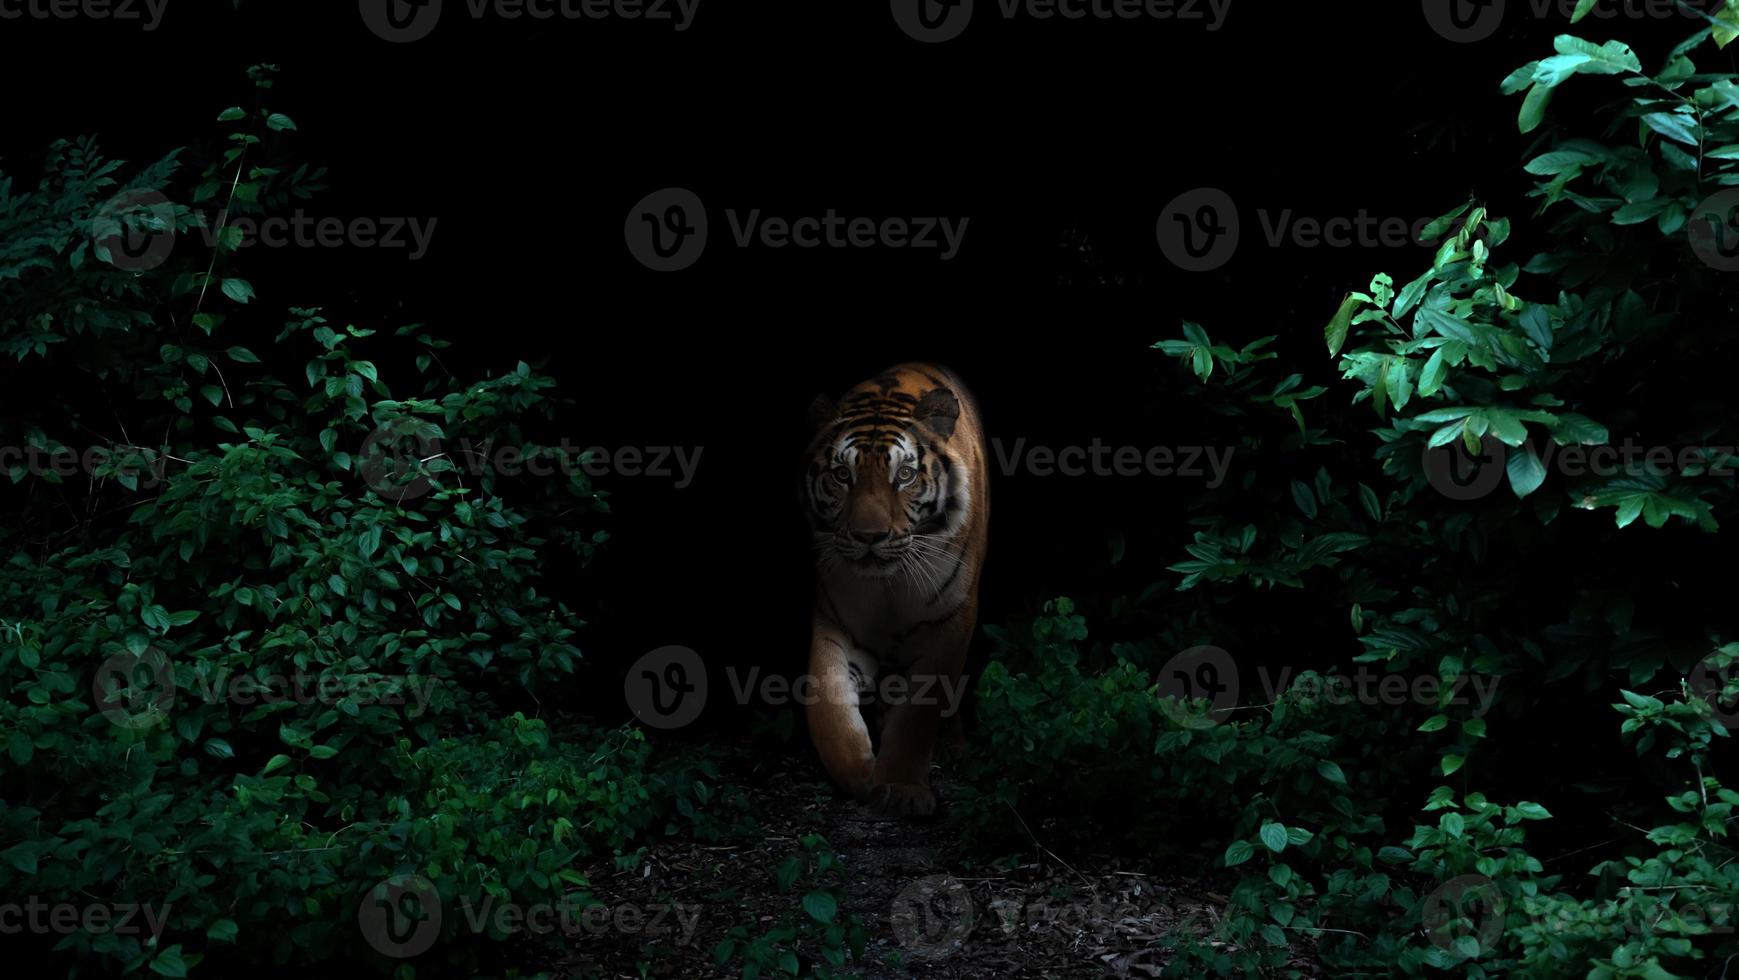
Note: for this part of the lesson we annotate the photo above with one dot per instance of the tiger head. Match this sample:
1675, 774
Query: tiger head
885, 486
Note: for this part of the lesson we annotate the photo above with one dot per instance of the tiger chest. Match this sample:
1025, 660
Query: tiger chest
890, 624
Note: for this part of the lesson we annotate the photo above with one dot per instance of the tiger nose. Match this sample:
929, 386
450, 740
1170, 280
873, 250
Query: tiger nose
872, 537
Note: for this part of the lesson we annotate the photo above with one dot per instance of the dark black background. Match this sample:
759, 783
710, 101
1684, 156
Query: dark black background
528, 142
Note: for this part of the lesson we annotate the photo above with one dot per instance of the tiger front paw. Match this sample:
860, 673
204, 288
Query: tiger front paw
902, 800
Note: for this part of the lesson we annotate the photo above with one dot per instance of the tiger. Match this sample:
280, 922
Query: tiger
898, 507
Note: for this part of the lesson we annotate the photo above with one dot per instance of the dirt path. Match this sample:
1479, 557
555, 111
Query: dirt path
927, 910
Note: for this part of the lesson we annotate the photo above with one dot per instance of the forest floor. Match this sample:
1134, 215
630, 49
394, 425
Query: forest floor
928, 910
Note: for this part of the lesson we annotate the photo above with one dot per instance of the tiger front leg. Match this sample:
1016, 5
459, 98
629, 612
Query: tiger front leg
836, 725
902, 766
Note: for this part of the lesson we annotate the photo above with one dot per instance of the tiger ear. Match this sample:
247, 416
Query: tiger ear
938, 410
822, 411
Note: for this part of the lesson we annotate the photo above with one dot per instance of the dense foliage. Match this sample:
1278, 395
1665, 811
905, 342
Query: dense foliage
1438, 685
267, 643
1501, 751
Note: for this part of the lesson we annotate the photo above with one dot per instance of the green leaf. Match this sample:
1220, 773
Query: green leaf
1526, 472
1674, 126
1301, 496
1532, 811
169, 963
1410, 294
1238, 852
1368, 498
242, 355
278, 122
1558, 161
1583, 9
821, 906
1571, 429
1534, 108
1331, 772
1611, 58
239, 290
1726, 25
1431, 375
1336, 332
1273, 837
1452, 763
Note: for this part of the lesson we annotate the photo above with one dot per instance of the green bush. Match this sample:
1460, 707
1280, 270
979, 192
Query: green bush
268, 643
1411, 836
